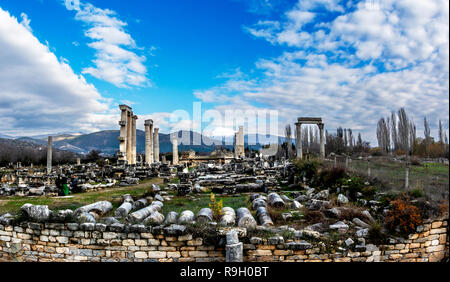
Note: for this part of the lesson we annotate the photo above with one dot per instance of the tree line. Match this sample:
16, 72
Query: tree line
13, 151
397, 134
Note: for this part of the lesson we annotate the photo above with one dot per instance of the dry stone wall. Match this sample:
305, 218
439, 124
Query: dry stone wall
88, 242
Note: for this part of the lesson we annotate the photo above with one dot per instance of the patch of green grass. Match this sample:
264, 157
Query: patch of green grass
114, 195
180, 204
432, 177
175, 180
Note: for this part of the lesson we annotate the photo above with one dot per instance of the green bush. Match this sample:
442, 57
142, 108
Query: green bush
354, 185
417, 193
307, 168
330, 178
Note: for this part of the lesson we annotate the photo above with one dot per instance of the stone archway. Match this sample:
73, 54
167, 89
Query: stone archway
299, 145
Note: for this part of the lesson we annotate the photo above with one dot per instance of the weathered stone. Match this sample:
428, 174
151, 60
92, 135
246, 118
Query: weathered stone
245, 219
175, 230
205, 215
228, 217
360, 223
349, 242
339, 225
275, 200
100, 208
171, 218
155, 218
140, 215
234, 249
36, 213
186, 217
342, 200
124, 209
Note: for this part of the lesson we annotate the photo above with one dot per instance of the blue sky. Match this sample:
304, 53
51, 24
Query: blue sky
350, 62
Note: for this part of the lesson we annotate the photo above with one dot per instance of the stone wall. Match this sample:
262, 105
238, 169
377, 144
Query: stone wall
100, 243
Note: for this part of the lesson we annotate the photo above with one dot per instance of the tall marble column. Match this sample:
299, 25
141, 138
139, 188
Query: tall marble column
175, 150
149, 142
236, 140
241, 142
49, 154
133, 141
322, 140
123, 138
298, 141
156, 140
129, 136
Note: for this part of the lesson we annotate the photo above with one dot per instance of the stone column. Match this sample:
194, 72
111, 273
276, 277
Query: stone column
175, 150
156, 139
322, 140
234, 248
298, 141
123, 133
133, 141
149, 142
129, 136
236, 145
241, 142
49, 154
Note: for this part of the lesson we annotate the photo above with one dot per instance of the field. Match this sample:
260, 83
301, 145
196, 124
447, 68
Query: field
13, 204
177, 204
432, 178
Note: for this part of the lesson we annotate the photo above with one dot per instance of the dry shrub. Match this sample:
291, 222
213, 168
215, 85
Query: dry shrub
403, 215
376, 235
313, 217
416, 161
443, 207
276, 214
348, 213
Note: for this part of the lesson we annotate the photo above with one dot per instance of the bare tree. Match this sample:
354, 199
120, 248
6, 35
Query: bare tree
403, 130
441, 133
394, 131
427, 136
350, 139
412, 137
345, 139
383, 135
288, 135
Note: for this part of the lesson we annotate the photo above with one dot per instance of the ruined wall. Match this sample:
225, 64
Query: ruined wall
101, 243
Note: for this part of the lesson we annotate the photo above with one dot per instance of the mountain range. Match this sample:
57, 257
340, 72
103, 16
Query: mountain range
107, 142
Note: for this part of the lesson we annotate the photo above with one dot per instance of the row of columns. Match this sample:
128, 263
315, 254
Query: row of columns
151, 143
127, 150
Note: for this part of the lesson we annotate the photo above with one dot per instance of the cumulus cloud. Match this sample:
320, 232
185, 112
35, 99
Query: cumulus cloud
116, 59
352, 66
41, 94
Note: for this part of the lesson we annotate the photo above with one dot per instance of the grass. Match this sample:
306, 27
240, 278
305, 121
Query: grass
432, 178
13, 204
180, 204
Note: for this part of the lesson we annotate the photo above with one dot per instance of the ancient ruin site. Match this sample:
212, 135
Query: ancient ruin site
227, 207
297, 131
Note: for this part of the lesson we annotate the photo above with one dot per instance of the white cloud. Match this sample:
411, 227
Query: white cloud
353, 69
25, 21
115, 60
40, 94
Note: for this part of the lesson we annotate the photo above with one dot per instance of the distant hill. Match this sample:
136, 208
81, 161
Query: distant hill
6, 136
107, 142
